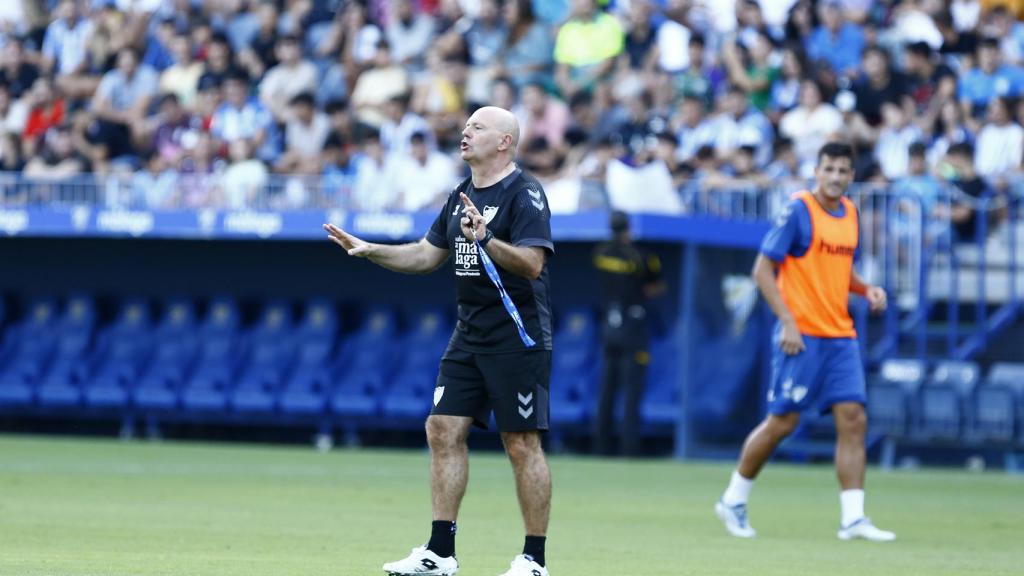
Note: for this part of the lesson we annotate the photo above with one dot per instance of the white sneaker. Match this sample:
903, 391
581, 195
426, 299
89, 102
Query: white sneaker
524, 565
863, 528
735, 519
423, 562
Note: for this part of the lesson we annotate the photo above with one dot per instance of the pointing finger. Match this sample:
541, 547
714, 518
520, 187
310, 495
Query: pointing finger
468, 203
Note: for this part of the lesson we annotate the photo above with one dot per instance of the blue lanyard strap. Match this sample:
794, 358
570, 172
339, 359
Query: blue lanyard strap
510, 306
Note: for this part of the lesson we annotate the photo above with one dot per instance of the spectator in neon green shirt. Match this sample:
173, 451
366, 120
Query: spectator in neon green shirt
586, 47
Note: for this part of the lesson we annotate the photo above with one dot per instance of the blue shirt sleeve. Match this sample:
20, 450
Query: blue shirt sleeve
791, 234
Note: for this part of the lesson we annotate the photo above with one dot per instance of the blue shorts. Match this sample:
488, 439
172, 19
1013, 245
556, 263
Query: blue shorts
827, 372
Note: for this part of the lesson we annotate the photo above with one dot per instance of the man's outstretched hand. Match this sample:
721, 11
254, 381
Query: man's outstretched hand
354, 246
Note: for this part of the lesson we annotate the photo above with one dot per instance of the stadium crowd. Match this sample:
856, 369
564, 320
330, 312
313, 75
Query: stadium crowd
205, 103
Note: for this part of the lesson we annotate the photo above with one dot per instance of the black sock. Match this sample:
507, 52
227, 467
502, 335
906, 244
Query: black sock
442, 538
534, 548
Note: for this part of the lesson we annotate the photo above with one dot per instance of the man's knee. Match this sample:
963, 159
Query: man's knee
444, 432
850, 420
521, 445
782, 425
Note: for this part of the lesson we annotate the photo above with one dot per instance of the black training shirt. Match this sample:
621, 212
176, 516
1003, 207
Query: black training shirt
517, 212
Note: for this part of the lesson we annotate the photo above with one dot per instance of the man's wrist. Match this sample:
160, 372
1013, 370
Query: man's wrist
488, 236
861, 289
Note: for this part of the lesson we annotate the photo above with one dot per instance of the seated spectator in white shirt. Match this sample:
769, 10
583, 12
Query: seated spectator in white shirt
409, 33
244, 182
304, 136
810, 124
377, 85
372, 190
423, 177
894, 140
1000, 143
292, 76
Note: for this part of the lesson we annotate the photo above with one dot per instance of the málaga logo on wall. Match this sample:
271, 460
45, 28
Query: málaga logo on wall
489, 213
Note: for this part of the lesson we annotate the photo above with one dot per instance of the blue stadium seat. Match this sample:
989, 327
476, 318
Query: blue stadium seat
29, 345
367, 362
122, 350
307, 388
61, 386
411, 392
998, 403
174, 351
207, 389
942, 401
891, 394
574, 368
659, 406
270, 354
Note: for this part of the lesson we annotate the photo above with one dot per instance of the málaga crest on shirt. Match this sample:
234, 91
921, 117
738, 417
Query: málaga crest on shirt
489, 213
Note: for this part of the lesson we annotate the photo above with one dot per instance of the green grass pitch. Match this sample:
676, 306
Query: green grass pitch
104, 508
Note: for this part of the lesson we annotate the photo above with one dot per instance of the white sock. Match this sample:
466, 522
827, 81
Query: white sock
738, 490
851, 502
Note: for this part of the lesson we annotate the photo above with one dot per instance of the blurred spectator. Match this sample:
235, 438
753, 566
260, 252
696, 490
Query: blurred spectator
13, 114
700, 79
740, 124
753, 71
641, 31
17, 73
1000, 146
989, 79
292, 76
259, 53
527, 53
786, 165
673, 39
962, 211
377, 85
57, 158
422, 177
952, 130
586, 47
879, 84
693, 131
182, 77
120, 103
64, 52
158, 54
930, 81
810, 124
304, 136
218, 64
485, 35
337, 172
409, 34
242, 117
785, 91
153, 186
400, 124
913, 23
245, 178
372, 190
168, 130
894, 139
543, 116
835, 41
11, 160
1004, 25
918, 195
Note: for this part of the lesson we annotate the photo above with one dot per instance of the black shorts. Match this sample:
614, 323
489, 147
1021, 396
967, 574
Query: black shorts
514, 385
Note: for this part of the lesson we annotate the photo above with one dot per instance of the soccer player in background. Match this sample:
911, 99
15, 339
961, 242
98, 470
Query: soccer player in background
805, 272
492, 362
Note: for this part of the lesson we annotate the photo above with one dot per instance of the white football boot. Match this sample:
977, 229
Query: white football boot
735, 519
524, 565
423, 562
865, 530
